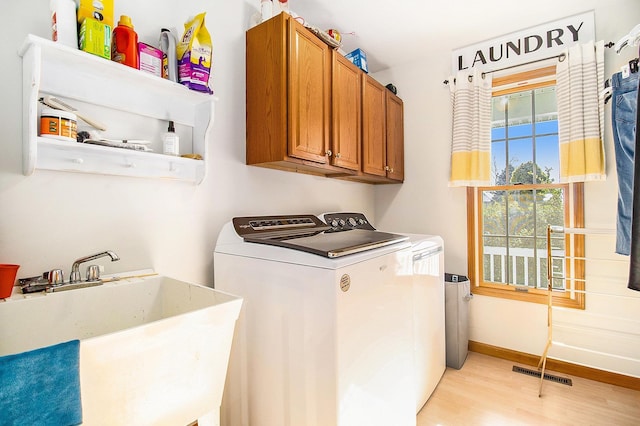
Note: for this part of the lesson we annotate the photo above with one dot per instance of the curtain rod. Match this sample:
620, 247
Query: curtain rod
560, 57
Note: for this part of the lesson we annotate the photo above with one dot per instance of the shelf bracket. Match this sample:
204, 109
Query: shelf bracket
31, 71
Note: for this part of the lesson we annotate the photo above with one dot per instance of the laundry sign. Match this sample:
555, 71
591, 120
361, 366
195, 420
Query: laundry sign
540, 42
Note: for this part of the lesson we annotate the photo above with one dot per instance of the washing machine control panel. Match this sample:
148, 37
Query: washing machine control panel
346, 221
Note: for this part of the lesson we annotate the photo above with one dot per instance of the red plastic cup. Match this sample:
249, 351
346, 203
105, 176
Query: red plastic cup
7, 279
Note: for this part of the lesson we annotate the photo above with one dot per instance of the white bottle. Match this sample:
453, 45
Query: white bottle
169, 61
63, 22
171, 141
283, 6
266, 9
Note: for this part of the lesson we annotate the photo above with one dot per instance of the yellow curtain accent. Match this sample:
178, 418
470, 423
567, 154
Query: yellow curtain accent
591, 156
581, 113
467, 164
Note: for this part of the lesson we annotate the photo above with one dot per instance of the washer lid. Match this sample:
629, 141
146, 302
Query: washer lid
309, 234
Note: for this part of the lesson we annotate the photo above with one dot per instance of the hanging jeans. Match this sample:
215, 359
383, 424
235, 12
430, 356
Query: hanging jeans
623, 119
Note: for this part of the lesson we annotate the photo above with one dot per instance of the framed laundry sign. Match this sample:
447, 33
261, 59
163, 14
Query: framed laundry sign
539, 42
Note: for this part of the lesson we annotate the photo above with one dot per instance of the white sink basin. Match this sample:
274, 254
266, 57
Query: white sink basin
153, 350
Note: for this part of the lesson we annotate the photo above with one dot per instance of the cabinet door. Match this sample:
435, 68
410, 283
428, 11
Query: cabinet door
266, 92
308, 95
374, 135
395, 137
346, 112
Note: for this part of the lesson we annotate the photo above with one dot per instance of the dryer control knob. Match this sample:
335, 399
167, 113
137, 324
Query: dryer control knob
353, 222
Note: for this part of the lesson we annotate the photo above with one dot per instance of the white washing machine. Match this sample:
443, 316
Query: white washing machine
429, 311
326, 333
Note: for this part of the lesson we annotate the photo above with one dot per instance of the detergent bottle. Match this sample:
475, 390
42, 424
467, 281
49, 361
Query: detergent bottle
124, 43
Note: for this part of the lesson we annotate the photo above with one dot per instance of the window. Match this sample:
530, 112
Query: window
508, 220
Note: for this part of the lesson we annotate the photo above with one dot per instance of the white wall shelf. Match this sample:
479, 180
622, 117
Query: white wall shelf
55, 69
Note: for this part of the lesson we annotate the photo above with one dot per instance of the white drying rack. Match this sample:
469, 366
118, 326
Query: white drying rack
550, 277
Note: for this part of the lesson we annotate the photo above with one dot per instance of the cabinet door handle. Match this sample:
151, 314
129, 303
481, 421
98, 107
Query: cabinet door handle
338, 155
329, 153
387, 168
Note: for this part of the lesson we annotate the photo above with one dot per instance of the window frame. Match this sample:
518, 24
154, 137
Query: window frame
574, 217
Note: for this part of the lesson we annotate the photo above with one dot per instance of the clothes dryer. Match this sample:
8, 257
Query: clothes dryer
429, 314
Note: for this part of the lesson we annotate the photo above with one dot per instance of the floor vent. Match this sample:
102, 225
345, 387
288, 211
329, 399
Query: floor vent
550, 377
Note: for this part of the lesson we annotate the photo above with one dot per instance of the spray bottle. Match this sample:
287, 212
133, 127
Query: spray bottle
171, 141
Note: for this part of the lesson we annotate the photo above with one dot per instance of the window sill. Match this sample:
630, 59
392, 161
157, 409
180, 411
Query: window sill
560, 298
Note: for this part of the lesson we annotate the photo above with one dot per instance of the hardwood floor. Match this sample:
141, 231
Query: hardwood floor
486, 392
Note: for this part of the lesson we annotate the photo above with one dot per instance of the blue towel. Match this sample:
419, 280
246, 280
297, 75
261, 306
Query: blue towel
41, 387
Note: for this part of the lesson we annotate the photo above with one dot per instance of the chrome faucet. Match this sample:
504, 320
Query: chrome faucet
74, 277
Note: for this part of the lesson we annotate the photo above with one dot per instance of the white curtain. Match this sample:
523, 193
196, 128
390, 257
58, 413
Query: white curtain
579, 78
471, 139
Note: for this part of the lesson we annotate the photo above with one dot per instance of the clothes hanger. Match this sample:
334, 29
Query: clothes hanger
606, 92
630, 39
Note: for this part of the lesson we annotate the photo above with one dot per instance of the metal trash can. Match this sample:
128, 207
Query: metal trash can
457, 297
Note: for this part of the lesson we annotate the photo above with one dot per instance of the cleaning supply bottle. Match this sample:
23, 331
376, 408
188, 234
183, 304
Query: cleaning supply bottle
169, 61
63, 22
266, 9
283, 6
171, 141
124, 43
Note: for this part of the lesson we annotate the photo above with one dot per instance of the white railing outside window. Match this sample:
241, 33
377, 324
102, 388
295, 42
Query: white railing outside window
519, 260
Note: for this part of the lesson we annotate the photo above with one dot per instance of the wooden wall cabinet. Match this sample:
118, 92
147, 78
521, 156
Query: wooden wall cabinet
395, 137
309, 109
346, 112
382, 134
289, 98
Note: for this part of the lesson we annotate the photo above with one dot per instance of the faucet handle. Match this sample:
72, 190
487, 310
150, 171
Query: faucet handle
56, 276
93, 273
74, 276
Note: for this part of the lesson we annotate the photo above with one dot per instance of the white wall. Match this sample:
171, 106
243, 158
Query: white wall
608, 331
49, 219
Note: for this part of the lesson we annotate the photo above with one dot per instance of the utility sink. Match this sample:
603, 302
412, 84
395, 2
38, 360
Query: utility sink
153, 350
